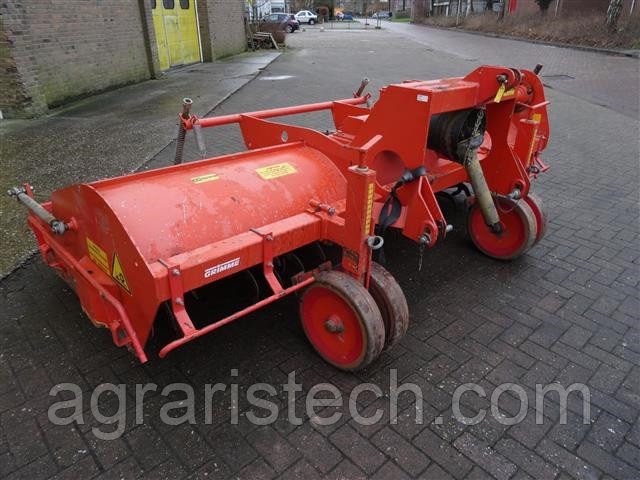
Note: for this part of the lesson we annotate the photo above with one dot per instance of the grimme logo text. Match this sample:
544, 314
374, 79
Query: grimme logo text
221, 267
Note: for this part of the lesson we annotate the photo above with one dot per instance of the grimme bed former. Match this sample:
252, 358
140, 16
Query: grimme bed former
303, 211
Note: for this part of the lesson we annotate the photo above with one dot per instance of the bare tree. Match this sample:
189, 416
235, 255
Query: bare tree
469, 8
613, 14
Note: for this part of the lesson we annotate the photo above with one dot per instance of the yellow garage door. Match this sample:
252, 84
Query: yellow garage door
176, 26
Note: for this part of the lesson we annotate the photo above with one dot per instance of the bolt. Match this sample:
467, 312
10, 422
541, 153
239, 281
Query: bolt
424, 239
175, 272
179, 301
515, 194
334, 325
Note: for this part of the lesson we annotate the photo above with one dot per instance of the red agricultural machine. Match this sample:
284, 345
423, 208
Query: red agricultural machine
303, 211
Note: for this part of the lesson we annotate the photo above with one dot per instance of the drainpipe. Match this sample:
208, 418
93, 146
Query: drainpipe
195, 6
558, 2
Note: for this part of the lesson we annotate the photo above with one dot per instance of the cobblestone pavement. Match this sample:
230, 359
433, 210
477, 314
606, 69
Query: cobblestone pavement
607, 80
566, 312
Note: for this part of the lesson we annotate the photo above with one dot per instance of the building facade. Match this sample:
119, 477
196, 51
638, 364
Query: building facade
422, 8
53, 52
572, 6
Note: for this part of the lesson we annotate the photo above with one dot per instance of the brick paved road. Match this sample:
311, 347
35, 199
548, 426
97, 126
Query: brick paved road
567, 312
606, 80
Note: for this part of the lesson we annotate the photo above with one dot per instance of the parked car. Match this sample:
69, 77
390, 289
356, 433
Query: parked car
305, 16
344, 17
280, 21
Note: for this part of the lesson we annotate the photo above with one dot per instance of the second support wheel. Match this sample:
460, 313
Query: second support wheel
392, 303
540, 212
519, 229
342, 321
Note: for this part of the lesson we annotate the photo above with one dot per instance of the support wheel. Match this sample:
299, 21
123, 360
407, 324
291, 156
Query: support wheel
392, 303
540, 212
342, 321
519, 224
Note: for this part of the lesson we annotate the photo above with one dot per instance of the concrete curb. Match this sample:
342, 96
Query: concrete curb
633, 53
21, 262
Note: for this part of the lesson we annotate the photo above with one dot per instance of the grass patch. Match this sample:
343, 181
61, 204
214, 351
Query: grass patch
588, 30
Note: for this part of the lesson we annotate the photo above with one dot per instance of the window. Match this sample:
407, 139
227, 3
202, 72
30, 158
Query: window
184, 4
153, 4
168, 4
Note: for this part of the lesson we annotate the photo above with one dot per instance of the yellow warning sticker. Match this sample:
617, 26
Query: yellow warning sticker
509, 92
367, 224
275, 171
500, 93
98, 255
205, 178
534, 135
118, 273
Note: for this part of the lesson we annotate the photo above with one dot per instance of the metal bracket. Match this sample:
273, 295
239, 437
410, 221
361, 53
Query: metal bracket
267, 261
177, 298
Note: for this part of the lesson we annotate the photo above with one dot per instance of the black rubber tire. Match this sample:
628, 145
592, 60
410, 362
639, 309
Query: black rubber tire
541, 213
311, 22
392, 303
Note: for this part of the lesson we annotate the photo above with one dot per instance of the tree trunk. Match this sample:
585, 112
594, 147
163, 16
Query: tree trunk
613, 14
469, 8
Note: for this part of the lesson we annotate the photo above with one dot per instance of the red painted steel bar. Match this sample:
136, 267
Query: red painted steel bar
220, 323
275, 112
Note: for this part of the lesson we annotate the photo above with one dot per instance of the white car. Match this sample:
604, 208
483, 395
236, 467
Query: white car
305, 16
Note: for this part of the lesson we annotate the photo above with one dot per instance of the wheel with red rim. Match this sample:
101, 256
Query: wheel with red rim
541, 214
392, 303
519, 229
342, 321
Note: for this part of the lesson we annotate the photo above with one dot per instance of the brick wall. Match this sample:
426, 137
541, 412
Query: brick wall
52, 51
64, 49
221, 27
